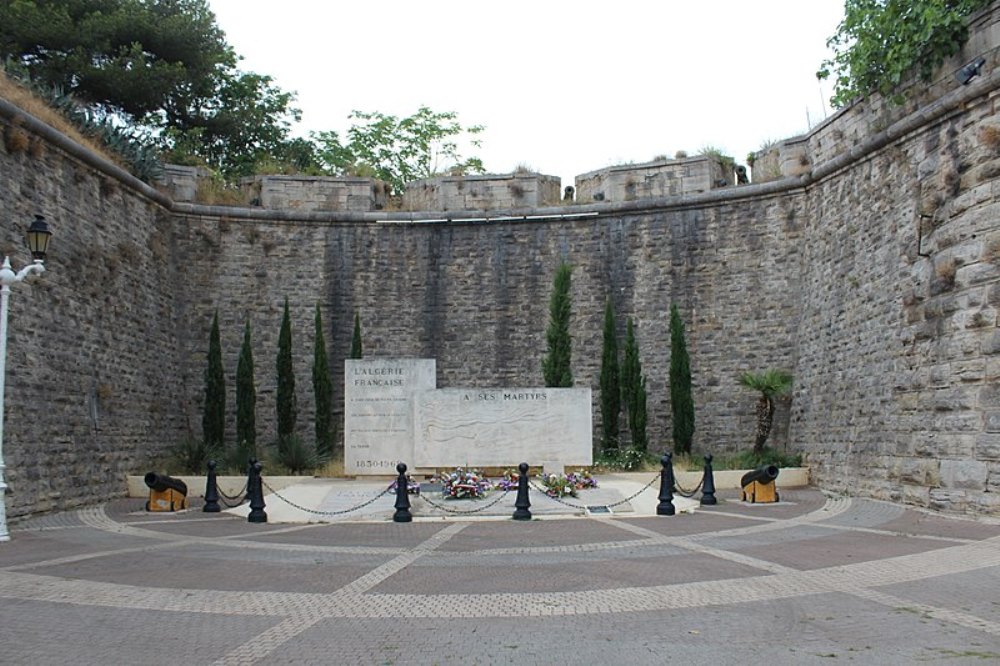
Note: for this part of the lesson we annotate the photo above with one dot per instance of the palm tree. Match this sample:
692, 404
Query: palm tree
771, 384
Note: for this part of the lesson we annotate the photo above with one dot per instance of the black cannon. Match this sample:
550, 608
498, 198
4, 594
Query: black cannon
758, 485
165, 493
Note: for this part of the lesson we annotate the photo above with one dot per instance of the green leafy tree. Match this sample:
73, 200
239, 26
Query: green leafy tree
285, 398
247, 128
634, 389
611, 396
400, 150
139, 58
880, 43
356, 338
681, 402
771, 384
323, 391
246, 402
213, 422
556, 364
161, 66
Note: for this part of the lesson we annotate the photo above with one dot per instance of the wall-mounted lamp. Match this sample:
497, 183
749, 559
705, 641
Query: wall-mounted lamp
970, 71
37, 238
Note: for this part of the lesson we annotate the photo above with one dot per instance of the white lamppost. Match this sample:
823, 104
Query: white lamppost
38, 242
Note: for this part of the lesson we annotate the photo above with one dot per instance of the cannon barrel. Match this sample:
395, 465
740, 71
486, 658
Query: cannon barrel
161, 482
764, 474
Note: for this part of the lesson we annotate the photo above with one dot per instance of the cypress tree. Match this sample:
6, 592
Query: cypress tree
556, 364
634, 389
640, 442
356, 338
246, 402
323, 391
285, 399
681, 401
611, 397
213, 421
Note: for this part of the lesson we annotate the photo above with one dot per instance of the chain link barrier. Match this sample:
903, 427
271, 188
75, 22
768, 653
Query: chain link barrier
327, 513
448, 509
240, 494
680, 490
636, 493
560, 500
237, 502
584, 506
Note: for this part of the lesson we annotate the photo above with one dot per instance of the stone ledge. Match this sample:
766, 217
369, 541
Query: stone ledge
790, 477
136, 486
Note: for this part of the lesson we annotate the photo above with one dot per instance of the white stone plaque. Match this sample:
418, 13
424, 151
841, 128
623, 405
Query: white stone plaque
500, 427
378, 415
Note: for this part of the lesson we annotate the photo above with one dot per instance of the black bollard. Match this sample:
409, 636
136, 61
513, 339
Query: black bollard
257, 514
211, 491
708, 484
666, 505
402, 514
522, 504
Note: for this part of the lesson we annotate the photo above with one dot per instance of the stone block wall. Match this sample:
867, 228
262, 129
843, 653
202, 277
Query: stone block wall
666, 178
475, 297
482, 193
180, 183
94, 388
315, 193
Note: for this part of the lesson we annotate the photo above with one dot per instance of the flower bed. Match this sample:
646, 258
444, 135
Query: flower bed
563, 485
508, 481
464, 484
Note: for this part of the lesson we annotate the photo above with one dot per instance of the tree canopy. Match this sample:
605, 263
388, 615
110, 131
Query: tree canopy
880, 43
400, 150
164, 67
161, 65
139, 58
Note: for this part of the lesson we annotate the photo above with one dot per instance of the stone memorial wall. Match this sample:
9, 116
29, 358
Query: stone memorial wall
502, 427
378, 411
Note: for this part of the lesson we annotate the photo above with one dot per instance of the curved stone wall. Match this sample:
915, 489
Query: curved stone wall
873, 276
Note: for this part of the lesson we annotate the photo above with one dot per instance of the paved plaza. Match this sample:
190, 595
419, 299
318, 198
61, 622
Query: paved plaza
813, 579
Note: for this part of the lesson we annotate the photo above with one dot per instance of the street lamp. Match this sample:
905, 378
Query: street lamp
38, 242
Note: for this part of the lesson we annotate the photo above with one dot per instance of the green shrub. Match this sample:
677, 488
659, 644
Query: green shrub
293, 455
625, 460
191, 456
751, 459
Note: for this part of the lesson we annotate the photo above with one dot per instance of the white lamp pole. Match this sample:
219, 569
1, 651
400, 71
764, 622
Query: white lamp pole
38, 240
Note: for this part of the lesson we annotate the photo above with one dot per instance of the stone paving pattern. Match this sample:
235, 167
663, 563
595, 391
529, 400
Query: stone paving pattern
808, 580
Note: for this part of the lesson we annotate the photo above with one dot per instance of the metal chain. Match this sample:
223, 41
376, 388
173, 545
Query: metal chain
232, 498
450, 510
688, 493
556, 499
636, 493
232, 506
323, 513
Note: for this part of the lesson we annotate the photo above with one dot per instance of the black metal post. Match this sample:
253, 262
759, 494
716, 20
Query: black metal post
708, 484
522, 504
211, 490
402, 514
666, 505
257, 513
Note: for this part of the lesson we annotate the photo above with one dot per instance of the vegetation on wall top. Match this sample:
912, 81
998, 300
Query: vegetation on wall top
881, 43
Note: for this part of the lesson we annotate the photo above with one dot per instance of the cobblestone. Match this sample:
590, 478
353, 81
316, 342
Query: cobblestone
796, 582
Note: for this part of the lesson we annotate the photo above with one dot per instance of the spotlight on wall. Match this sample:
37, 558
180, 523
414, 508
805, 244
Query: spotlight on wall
970, 71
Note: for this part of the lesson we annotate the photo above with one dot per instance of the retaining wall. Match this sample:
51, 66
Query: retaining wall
874, 276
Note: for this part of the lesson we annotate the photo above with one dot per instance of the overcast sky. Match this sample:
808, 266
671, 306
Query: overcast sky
562, 87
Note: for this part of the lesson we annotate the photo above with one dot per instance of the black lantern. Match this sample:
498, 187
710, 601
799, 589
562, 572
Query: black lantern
38, 238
